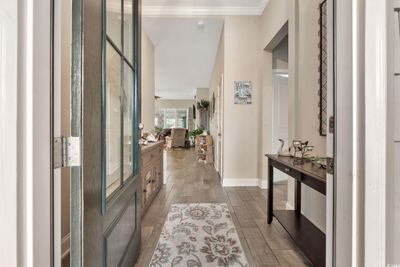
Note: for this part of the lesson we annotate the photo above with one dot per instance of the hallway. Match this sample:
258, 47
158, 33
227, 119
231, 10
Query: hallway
192, 182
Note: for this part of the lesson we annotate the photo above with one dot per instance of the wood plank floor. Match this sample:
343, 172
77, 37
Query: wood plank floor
192, 182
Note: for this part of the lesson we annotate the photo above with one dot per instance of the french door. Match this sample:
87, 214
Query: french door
105, 111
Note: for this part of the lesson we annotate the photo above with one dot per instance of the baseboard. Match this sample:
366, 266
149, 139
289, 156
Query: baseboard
263, 184
65, 246
240, 182
289, 206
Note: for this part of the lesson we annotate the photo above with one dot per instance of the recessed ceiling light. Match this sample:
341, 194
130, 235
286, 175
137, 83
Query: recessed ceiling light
200, 23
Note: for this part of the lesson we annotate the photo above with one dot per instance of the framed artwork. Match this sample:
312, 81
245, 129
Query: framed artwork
243, 92
323, 68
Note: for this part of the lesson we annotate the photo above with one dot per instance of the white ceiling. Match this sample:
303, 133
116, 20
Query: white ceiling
203, 7
184, 53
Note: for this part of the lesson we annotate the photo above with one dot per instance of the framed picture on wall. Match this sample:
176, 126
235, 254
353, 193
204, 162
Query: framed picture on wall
243, 92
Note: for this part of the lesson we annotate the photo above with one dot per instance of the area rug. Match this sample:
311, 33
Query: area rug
198, 235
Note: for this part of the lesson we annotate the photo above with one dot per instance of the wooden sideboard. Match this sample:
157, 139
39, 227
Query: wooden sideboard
152, 172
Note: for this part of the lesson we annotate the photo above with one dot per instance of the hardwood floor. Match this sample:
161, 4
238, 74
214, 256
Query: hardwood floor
192, 182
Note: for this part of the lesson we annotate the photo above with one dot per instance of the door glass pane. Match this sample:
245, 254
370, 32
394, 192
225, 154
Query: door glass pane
128, 30
128, 119
113, 120
182, 118
113, 20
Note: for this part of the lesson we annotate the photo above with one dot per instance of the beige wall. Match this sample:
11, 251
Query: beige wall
248, 128
241, 122
303, 87
174, 103
202, 93
148, 83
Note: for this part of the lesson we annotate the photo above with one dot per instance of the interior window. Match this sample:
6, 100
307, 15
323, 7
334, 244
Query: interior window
171, 118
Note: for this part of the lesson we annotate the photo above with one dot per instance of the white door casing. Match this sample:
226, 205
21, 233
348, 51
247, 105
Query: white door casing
8, 132
280, 115
220, 110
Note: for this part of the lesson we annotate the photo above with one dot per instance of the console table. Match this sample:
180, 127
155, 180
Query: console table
307, 236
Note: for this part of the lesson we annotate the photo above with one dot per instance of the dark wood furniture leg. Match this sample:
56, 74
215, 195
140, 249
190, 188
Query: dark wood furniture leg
270, 191
297, 196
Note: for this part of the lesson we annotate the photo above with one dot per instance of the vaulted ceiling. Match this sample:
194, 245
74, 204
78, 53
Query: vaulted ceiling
185, 51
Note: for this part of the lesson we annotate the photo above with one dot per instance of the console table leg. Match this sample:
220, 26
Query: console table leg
270, 191
297, 196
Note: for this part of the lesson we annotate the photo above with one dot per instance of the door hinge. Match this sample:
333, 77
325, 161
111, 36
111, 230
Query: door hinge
66, 152
331, 125
330, 166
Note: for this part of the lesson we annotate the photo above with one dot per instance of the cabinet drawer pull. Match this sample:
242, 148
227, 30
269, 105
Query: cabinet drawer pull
287, 170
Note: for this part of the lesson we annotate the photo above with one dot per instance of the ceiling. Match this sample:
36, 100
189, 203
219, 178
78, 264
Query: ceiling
204, 7
185, 53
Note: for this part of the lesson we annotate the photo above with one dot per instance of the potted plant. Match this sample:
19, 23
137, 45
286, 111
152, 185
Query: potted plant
203, 104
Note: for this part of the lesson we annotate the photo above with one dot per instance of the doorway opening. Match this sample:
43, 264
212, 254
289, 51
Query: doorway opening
280, 76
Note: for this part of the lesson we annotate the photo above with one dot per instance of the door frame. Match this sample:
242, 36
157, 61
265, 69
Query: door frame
359, 212
220, 128
277, 176
33, 161
274, 72
8, 132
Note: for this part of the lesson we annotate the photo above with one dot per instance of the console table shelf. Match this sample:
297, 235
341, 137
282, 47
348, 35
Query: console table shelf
307, 236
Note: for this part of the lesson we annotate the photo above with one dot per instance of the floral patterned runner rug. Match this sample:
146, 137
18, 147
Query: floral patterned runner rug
198, 235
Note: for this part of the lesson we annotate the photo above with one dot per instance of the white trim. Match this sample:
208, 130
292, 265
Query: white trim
34, 220
8, 133
376, 129
263, 5
199, 11
329, 225
234, 182
263, 184
165, 10
289, 206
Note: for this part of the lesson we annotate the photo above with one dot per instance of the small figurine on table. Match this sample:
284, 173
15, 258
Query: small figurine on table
301, 148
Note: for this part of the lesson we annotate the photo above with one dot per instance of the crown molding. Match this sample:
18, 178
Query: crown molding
198, 11
263, 5
204, 11
156, 11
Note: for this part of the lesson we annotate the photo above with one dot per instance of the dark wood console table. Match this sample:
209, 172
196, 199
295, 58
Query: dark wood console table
307, 236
